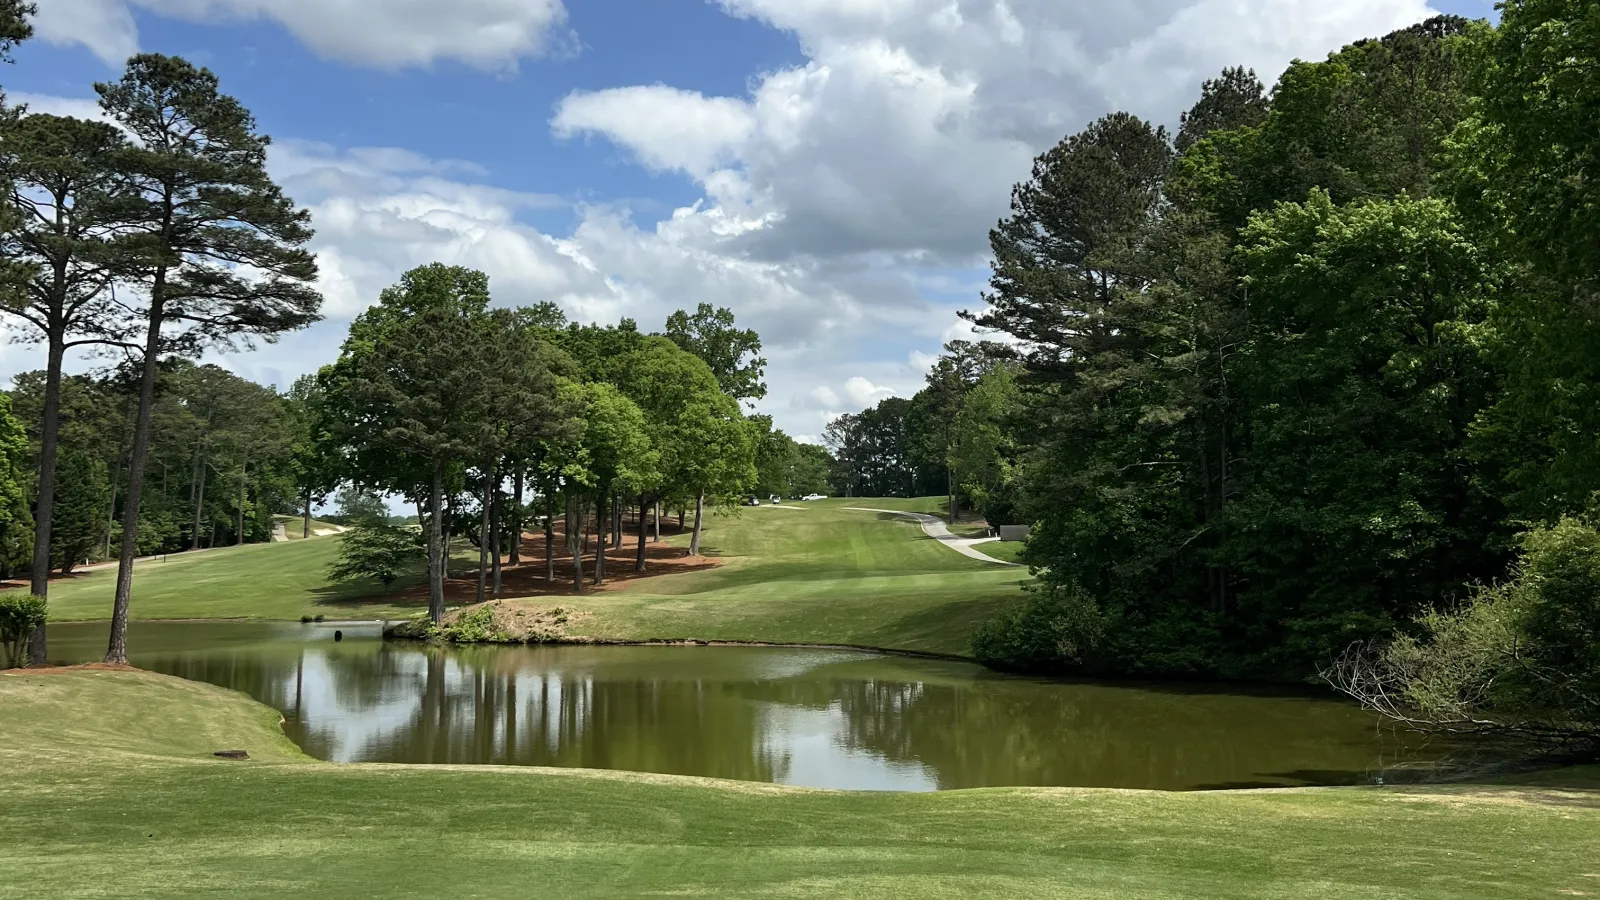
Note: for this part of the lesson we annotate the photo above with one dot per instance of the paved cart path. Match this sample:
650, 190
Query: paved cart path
934, 527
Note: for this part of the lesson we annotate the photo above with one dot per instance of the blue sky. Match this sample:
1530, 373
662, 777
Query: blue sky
826, 168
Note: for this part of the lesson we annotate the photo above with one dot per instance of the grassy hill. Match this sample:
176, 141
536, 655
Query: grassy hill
822, 574
294, 527
126, 800
284, 580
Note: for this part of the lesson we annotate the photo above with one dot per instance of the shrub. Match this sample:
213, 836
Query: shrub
380, 552
1521, 657
20, 614
1058, 628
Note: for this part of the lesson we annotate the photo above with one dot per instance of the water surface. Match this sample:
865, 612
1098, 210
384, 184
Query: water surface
834, 719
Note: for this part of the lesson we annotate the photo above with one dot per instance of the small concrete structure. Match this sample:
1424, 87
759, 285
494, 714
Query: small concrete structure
1014, 532
279, 532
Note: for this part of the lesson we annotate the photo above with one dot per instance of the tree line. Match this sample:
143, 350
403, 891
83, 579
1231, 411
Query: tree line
491, 420
156, 235
1316, 371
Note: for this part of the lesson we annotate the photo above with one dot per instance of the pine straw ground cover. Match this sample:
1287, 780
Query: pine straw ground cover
108, 789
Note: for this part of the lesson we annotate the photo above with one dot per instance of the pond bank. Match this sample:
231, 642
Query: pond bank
522, 622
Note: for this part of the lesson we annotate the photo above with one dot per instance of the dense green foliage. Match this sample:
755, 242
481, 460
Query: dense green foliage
1300, 377
379, 551
20, 614
1521, 656
16, 521
212, 433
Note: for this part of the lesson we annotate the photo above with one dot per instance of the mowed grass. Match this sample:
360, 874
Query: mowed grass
109, 790
822, 574
294, 527
1010, 551
284, 580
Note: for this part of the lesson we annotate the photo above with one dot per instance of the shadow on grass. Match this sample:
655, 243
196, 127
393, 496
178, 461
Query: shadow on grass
941, 628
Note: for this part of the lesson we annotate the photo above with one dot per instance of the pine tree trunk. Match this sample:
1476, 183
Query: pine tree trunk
681, 513
516, 522
955, 500
305, 529
549, 543
495, 527
638, 563
575, 540
436, 550
111, 514
699, 515
655, 510
200, 494
483, 538
601, 526
117, 647
449, 520
44, 509
616, 521
244, 476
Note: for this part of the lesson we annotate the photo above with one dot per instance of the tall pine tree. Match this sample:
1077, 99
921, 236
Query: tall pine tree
206, 211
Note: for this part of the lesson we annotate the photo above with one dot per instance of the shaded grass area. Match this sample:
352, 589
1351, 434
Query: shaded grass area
132, 805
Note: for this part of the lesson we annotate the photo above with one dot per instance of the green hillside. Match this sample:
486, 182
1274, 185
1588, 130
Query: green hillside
821, 574
127, 799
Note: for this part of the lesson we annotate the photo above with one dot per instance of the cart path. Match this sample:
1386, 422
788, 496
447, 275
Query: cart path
934, 527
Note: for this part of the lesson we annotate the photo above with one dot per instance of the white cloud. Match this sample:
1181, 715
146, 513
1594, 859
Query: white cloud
825, 396
106, 27
912, 119
863, 392
669, 128
77, 107
384, 34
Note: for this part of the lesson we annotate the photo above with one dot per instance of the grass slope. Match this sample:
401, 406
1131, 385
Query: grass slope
283, 580
294, 527
822, 574
131, 804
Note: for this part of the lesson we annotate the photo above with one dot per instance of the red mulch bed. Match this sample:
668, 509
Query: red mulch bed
528, 578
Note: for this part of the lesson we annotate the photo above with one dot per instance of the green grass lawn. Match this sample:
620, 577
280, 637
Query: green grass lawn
294, 527
284, 580
1010, 551
816, 575
823, 574
120, 797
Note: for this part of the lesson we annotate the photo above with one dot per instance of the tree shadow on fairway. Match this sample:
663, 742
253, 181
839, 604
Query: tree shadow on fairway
940, 628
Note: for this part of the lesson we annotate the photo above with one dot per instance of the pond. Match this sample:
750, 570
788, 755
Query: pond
818, 718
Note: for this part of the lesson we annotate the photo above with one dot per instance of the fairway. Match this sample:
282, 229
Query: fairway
284, 580
128, 801
821, 574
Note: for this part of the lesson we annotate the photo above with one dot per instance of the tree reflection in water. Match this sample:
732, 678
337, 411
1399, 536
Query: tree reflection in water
827, 719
